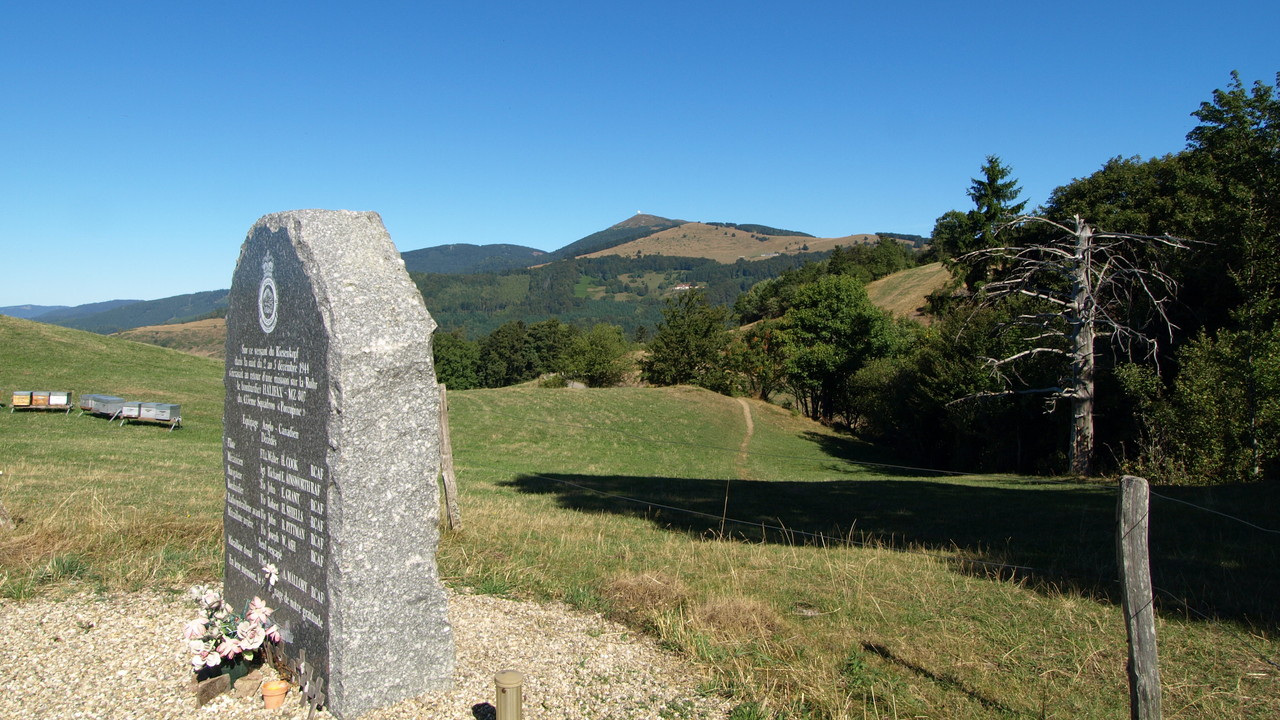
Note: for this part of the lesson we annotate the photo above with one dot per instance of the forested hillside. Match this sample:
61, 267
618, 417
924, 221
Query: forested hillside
128, 315
467, 258
624, 291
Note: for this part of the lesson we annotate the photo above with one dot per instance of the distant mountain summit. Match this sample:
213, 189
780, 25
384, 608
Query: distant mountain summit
633, 228
644, 220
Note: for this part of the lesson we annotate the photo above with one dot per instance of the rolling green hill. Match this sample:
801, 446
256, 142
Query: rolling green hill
467, 258
60, 314
126, 315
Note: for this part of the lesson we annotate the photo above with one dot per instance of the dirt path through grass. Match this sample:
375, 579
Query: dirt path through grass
741, 461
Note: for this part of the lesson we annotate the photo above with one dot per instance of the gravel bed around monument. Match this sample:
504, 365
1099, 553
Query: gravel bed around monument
121, 657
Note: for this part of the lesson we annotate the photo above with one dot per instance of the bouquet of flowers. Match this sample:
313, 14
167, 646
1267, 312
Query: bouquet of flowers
224, 636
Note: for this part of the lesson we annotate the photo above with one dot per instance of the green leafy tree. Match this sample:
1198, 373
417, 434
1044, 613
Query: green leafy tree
906, 402
832, 331
1234, 156
1219, 422
457, 360
549, 341
506, 356
995, 200
689, 344
758, 355
952, 231
1227, 398
598, 357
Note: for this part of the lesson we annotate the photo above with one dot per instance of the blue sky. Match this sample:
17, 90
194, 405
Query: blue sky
142, 140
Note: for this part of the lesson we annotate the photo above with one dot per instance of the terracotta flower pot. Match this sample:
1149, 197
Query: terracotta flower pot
273, 692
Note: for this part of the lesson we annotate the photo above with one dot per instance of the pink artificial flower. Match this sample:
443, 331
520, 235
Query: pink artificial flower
272, 573
251, 636
195, 629
229, 648
274, 634
204, 658
222, 612
258, 611
211, 598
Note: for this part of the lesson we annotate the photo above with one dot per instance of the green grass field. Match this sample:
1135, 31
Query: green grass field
809, 582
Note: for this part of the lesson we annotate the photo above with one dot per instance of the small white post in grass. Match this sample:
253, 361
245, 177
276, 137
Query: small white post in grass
1139, 613
510, 690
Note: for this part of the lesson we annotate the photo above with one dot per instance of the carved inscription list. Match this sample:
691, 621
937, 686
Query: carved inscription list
275, 482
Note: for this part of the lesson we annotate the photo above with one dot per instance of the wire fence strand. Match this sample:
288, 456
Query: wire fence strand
1215, 512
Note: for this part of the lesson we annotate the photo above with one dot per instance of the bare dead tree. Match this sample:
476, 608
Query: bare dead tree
1091, 283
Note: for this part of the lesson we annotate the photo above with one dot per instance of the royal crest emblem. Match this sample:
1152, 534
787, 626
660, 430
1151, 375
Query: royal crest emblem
268, 297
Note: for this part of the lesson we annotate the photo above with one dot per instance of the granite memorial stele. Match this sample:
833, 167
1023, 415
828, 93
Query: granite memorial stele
331, 451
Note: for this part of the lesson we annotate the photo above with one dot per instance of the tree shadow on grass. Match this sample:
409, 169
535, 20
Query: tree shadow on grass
1051, 535
852, 456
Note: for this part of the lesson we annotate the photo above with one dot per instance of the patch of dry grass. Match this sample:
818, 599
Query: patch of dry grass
903, 294
726, 245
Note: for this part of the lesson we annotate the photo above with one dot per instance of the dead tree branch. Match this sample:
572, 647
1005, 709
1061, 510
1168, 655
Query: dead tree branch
1096, 281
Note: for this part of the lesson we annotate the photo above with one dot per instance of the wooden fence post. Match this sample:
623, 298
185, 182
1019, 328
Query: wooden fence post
446, 465
1139, 613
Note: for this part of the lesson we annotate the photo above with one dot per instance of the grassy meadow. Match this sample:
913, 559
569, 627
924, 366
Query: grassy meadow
807, 580
94, 502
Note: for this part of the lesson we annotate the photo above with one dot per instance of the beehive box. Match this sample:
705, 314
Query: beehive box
107, 404
86, 401
22, 398
131, 410
60, 398
40, 398
167, 411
